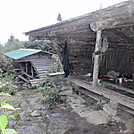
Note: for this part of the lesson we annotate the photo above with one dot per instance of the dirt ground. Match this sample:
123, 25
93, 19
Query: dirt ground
35, 118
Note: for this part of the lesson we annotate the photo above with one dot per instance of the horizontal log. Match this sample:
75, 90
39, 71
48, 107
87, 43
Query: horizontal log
95, 96
118, 87
112, 95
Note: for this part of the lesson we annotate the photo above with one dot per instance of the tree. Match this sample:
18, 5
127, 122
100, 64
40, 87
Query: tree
59, 17
13, 44
6, 64
40, 44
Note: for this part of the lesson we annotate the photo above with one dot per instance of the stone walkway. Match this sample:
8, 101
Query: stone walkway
65, 118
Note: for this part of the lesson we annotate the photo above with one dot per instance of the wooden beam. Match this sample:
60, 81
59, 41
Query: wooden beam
26, 67
32, 71
96, 59
23, 78
115, 22
107, 93
27, 74
118, 87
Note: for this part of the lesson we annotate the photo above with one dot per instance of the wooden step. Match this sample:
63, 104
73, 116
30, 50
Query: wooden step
43, 71
35, 81
39, 69
41, 65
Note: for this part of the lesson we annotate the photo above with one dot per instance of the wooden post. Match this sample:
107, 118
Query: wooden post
32, 70
26, 67
96, 59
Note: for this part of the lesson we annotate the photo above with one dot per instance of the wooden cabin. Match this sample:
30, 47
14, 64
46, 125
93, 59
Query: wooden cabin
101, 44
32, 64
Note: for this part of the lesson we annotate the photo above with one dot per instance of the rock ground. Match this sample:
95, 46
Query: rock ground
35, 118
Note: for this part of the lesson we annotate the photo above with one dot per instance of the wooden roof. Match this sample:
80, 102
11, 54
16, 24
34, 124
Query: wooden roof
119, 16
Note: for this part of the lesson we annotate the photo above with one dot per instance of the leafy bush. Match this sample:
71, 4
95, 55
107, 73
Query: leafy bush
7, 84
57, 66
49, 91
40, 44
6, 111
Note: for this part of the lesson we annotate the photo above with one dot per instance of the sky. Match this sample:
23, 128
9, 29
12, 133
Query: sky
19, 16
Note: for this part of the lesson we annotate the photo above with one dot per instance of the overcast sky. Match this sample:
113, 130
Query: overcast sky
18, 16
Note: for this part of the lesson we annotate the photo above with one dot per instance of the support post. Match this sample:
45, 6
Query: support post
26, 67
32, 70
96, 59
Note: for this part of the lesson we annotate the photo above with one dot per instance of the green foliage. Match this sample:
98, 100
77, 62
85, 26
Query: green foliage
3, 124
6, 64
13, 44
57, 66
40, 44
7, 106
49, 91
7, 84
7, 109
4, 113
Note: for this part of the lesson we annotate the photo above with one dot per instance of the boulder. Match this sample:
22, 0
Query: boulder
97, 117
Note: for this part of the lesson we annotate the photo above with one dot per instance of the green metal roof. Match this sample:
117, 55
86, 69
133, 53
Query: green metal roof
21, 53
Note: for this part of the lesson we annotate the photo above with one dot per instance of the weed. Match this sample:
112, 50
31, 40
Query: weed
49, 91
6, 111
7, 84
57, 66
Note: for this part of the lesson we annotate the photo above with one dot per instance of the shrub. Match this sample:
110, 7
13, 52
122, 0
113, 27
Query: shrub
57, 66
49, 91
6, 111
7, 84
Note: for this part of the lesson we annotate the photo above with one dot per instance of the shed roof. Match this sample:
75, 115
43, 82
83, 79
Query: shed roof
21, 53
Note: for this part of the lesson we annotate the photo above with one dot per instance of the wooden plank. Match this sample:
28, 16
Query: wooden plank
96, 59
118, 87
26, 67
32, 71
107, 93
95, 96
27, 74
23, 78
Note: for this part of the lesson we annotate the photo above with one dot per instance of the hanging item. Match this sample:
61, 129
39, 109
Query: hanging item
104, 44
65, 61
103, 47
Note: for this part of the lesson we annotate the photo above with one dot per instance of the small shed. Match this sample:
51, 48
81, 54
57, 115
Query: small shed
32, 64
99, 43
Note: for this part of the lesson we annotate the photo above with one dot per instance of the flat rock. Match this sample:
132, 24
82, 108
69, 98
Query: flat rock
66, 88
76, 99
24, 105
23, 116
84, 112
66, 92
36, 113
97, 117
